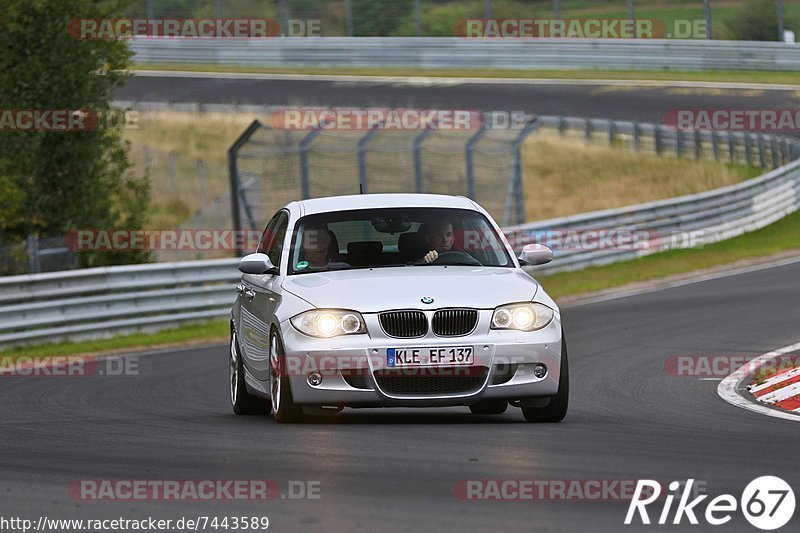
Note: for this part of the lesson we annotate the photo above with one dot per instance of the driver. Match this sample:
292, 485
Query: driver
439, 237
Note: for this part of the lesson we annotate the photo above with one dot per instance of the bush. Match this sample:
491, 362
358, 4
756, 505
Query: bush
756, 20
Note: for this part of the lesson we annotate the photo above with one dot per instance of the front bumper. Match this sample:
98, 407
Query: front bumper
349, 364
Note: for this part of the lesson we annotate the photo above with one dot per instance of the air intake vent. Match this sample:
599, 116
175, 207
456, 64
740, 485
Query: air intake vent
404, 324
431, 381
454, 322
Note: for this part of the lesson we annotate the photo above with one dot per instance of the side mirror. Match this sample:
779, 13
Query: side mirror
257, 264
535, 254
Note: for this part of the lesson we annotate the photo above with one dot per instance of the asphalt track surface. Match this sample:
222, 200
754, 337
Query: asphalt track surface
646, 104
394, 470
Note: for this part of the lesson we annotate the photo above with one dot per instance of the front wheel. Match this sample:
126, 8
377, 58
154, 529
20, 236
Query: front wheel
242, 402
283, 407
556, 410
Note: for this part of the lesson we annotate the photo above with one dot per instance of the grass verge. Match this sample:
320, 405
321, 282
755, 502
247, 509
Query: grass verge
782, 236
786, 78
216, 330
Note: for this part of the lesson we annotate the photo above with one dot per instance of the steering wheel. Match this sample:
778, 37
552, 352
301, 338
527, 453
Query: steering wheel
452, 257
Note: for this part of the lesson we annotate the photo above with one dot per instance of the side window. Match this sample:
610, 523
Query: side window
275, 246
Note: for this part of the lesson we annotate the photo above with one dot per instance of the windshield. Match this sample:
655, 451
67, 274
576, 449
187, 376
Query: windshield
371, 238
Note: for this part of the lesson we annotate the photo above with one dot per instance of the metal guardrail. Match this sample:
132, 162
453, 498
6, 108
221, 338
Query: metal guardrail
101, 301
455, 52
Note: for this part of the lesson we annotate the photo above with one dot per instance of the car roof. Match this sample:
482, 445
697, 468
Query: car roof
373, 201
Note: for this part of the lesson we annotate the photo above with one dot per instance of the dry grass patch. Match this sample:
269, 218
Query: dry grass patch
565, 176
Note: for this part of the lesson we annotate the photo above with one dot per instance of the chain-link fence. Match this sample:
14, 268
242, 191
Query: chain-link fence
36, 255
271, 167
442, 18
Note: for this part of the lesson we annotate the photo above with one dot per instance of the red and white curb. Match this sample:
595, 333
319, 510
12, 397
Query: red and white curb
781, 390
774, 397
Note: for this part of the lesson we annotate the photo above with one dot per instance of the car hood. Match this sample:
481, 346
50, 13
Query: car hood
375, 290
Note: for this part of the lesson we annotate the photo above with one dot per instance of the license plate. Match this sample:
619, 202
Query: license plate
442, 356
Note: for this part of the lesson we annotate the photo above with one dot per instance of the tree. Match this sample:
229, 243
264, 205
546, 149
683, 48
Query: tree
58, 181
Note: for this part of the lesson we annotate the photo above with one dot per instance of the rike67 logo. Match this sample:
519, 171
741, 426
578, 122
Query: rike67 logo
767, 503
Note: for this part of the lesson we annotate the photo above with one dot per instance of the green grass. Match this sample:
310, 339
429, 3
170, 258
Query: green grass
207, 331
786, 78
781, 236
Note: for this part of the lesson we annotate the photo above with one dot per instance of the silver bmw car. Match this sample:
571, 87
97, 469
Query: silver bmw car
393, 300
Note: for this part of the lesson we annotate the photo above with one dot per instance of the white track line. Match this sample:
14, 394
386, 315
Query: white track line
728, 389
450, 80
660, 287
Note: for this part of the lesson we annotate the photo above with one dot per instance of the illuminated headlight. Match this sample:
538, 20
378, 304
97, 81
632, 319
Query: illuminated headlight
329, 323
523, 317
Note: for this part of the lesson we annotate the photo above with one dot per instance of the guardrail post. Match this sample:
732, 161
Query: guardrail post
469, 160
233, 177
657, 139
588, 129
773, 149
417, 149
362, 157
762, 157
678, 143
612, 131
562, 125
748, 156
636, 134
784, 152
731, 147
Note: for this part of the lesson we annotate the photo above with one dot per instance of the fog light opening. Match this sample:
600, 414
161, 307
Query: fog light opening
315, 379
540, 370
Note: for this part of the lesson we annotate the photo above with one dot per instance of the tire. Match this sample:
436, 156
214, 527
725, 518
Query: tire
556, 410
242, 402
489, 407
280, 393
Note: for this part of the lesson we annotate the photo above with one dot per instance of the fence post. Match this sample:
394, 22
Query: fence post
33, 255
348, 13
173, 173
636, 139
762, 157
612, 131
678, 143
784, 152
773, 148
715, 144
707, 14
469, 160
698, 144
417, 148
362, 157
657, 139
731, 147
417, 18
562, 125
588, 130
201, 182
233, 177
515, 192
748, 156
487, 9
305, 142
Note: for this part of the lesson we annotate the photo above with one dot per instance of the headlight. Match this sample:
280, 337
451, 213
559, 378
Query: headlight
328, 323
523, 317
